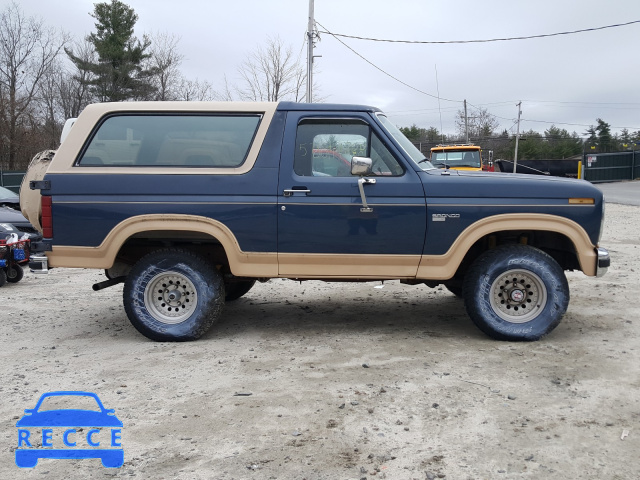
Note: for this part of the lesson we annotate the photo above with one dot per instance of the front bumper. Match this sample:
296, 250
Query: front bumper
604, 261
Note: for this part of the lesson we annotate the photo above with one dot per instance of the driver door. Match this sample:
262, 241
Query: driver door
328, 224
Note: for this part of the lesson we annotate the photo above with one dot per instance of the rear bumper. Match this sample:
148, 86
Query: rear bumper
39, 263
604, 261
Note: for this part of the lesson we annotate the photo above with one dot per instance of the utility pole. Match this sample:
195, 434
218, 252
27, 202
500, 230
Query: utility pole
310, 27
466, 121
515, 157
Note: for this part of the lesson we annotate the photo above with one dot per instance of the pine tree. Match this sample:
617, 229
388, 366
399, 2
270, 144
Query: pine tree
118, 73
604, 135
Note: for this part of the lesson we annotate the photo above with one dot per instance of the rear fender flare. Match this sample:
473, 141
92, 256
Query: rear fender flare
103, 256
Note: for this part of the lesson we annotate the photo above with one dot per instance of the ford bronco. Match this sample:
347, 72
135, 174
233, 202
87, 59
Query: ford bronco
189, 204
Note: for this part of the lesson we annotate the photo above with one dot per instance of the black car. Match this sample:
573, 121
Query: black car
9, 199
15, 218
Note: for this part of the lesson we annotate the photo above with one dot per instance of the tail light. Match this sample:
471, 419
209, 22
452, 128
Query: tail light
46, 219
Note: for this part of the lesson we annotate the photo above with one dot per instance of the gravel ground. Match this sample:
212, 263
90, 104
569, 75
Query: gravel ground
339, 381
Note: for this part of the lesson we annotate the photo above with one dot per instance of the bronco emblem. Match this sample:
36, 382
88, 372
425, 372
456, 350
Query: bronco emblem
441, 217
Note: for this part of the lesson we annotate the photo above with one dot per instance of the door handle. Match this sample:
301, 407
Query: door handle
288, 192
361, 183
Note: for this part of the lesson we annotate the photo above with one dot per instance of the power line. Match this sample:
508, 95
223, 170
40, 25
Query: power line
585, 103
441, 42
383, 71
575, 124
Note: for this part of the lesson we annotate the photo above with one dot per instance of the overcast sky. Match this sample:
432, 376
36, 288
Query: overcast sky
571, 79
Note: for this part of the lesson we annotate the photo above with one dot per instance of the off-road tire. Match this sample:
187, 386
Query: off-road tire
516, 292
173, 295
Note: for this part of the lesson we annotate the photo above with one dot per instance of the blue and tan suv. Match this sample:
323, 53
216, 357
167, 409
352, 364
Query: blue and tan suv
190, 203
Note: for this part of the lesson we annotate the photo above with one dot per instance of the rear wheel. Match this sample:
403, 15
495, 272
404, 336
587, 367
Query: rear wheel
516, 292
15, 274
3, 277
173, 295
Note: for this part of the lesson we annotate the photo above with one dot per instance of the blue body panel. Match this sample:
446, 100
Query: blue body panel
87, 206
477, 195
252, 217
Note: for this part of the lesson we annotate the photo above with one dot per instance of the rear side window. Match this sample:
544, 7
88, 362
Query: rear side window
206, 141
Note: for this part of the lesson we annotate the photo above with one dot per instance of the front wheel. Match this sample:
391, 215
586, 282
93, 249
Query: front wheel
516, 292
173, 295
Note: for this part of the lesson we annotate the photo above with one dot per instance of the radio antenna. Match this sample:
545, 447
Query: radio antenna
439, 109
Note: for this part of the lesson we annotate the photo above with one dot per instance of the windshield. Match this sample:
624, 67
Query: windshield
404, 142
6, 193
69, 402
456, 159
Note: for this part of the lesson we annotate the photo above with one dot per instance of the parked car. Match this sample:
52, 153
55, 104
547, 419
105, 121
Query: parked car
9, 199
15, 218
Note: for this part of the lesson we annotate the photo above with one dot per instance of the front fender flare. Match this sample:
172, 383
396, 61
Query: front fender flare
444, 267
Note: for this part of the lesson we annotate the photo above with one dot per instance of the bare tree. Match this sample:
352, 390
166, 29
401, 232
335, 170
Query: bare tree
27, 51
165, 60
195, 91
74, 85
226, 95
271, 73
482, 124
49, 111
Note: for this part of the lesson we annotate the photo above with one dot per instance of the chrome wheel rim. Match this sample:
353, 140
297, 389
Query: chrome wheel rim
170, 297
518, 296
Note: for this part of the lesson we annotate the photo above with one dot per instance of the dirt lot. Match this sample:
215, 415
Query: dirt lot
339, 381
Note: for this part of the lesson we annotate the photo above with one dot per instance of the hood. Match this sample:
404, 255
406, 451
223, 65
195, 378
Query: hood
508, 185
9, 215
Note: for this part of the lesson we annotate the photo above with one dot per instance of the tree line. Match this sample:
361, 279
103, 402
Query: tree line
46, 76
553, 143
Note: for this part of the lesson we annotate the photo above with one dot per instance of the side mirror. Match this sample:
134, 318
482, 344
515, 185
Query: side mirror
361, 166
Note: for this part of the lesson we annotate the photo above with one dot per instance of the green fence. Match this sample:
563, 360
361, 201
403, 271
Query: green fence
12, 180
611, 167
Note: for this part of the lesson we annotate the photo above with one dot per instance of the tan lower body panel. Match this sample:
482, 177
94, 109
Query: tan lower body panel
245, 264
300, 265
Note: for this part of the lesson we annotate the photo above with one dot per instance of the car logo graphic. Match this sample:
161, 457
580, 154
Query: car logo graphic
86, 433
